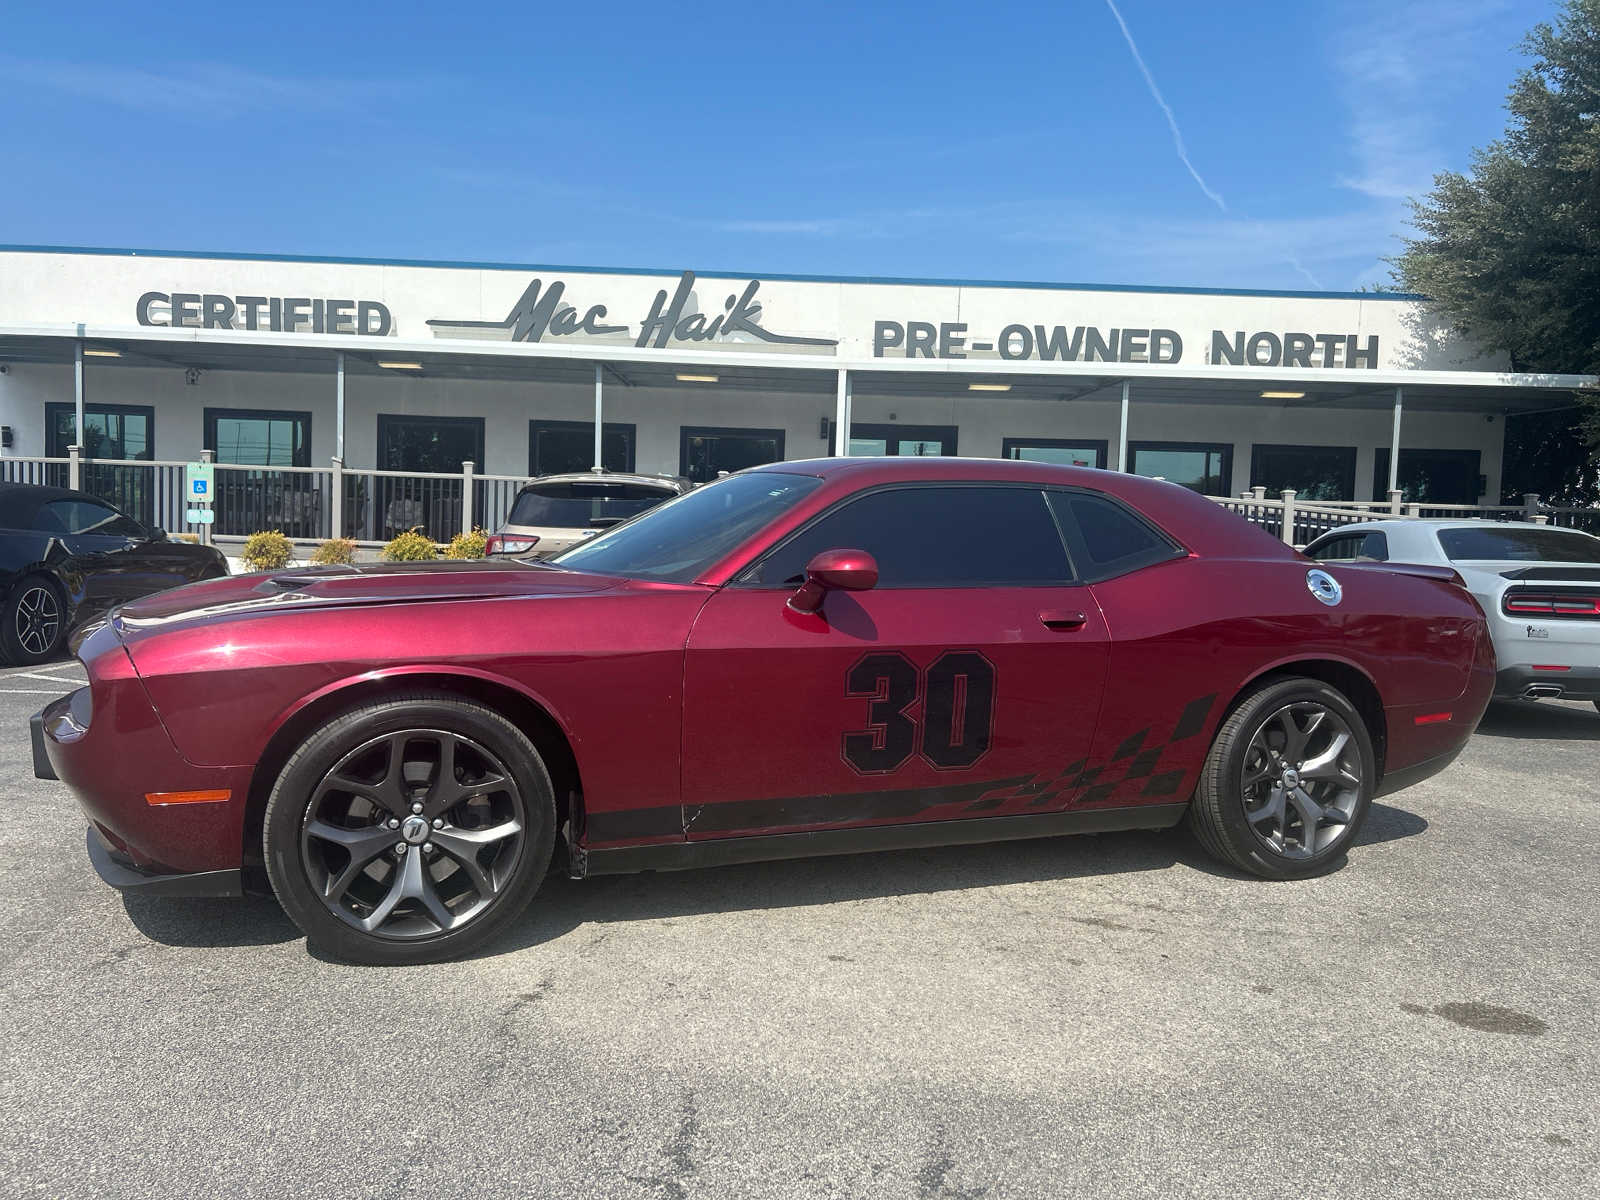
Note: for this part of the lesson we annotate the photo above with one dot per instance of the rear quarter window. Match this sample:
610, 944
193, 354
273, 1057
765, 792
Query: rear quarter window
1107, 539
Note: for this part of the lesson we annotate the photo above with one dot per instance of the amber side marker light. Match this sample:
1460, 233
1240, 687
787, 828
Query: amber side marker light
210, 797
1432, 718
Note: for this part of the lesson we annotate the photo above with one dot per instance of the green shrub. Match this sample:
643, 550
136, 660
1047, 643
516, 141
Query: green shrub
335, 550
467, 545
411, 546
267, 551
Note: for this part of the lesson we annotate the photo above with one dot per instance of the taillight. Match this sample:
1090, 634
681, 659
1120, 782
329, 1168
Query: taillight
1550, 604
505, 543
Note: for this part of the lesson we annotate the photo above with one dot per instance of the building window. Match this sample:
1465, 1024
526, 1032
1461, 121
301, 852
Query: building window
109, 431
910, 441
259, 437
704, 452
563, 447
1201, 467
1431, 476
427, 445
1314, 472
1064, 451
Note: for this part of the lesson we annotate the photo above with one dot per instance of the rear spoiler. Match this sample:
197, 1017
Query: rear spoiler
1420, 570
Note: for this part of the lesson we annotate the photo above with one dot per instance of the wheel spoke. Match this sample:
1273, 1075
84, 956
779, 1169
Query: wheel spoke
363, 845
1310, 816
1272, 810
395, 894
1326, 764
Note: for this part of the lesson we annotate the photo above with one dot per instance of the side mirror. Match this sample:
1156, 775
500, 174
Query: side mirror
844, 570
156, 533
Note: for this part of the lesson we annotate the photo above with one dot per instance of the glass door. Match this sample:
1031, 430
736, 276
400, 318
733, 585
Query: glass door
909, 441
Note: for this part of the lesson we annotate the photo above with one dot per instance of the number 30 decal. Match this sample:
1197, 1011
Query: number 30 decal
957, 692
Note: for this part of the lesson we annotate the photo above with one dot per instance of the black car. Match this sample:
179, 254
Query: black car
66, 558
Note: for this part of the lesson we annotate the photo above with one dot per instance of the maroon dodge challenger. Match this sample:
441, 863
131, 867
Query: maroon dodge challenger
805, 658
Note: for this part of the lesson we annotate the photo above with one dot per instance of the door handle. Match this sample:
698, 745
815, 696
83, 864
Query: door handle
1061, 620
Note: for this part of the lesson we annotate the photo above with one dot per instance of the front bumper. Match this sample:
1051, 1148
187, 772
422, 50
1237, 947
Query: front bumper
121, 874
121, 766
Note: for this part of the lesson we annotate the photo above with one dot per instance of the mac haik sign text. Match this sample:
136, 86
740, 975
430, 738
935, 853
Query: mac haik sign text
1088, 343
546, 312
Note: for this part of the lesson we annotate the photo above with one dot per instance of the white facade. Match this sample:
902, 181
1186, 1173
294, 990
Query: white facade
1195, 363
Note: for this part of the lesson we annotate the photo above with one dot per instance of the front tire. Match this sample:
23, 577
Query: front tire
409, 830
33, 627
1287, 783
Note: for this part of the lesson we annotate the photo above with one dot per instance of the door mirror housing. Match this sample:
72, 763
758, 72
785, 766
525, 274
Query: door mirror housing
156, 533
841, 570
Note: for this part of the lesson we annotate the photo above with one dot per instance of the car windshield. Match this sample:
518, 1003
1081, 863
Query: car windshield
677, 540
1533, 544
584, 503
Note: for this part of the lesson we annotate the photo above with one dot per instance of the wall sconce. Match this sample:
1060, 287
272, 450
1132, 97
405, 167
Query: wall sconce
191, 376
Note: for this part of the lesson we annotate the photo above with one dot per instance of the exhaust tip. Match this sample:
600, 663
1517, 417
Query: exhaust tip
1541, 691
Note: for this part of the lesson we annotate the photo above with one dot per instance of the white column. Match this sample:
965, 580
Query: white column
1122, 431
77, 390
599, 420
1394, 441
841, 417
338, 414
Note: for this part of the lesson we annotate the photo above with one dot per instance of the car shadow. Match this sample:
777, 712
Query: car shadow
210, 923
1540, 719
565, 905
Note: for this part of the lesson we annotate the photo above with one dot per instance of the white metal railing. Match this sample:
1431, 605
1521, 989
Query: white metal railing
372, 505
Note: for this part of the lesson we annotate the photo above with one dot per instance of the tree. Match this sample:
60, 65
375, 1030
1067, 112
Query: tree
1511, 252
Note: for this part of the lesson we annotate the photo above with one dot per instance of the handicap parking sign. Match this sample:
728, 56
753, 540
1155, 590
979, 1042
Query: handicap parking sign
198, 478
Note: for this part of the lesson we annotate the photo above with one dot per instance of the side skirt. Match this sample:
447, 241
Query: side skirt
720, 852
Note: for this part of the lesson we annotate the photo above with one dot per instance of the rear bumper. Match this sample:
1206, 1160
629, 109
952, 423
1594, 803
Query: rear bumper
1577, 683
121, 874
1403, 777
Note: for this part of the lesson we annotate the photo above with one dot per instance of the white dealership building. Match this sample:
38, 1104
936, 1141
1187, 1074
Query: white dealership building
287, 363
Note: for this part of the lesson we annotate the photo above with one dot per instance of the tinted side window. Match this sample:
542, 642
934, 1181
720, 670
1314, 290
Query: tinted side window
1340, 549
84, 516
1107, 539
1376, 547
933, 537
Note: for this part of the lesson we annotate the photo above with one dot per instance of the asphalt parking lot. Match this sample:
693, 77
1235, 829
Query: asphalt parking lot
1110, 1015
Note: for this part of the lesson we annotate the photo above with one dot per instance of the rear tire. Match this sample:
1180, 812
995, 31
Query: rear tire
409, 830
33, 626
1287, 783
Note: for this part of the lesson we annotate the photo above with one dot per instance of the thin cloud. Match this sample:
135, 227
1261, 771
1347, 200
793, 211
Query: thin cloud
204, 91
1401, 66
1172, 121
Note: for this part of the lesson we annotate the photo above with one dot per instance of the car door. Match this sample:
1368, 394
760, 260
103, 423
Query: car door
110, 554
966, 684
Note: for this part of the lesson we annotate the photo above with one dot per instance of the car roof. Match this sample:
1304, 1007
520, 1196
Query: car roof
20, 502
1200, 523
665, 482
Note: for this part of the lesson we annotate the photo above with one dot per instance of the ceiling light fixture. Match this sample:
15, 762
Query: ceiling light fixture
401, 366
95, 352
697, 378
1283, 395
988, 387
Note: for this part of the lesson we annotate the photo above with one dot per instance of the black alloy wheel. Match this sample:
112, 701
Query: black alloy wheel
33, 627
1287, 783
410, 830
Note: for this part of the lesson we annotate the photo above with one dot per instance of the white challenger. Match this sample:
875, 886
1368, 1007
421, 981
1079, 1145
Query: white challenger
1538, 585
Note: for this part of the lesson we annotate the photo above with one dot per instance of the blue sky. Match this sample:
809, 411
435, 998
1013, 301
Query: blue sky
998, 141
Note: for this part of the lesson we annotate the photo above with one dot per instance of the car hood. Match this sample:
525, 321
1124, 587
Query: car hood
295, 588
